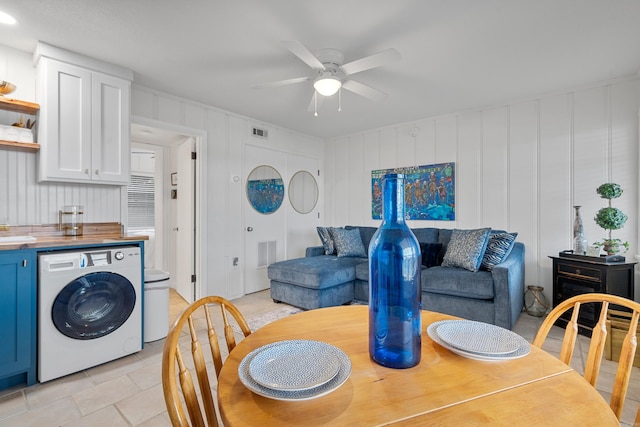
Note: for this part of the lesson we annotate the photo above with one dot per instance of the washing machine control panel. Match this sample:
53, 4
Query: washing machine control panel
81, 260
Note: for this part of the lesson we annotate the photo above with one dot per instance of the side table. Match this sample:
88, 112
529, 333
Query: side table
579, 275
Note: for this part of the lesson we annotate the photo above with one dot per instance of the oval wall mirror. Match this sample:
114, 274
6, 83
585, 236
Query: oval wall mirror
265, 189
303, 192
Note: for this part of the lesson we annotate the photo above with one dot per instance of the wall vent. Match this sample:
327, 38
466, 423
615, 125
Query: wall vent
267, 252
260, 133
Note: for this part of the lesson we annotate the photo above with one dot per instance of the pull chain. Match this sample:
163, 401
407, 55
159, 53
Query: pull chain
315, 102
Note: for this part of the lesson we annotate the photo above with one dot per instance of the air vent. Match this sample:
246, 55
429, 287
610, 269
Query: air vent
260, 133
267, 253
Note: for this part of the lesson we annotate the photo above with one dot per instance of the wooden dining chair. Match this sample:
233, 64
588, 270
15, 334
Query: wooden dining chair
172, 356
598, 340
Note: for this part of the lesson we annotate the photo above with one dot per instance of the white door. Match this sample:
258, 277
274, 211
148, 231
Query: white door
264, 226
185, 222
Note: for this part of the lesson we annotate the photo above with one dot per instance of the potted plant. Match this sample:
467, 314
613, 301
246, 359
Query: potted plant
610, 218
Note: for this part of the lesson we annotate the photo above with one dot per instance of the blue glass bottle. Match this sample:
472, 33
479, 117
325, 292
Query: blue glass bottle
395, 323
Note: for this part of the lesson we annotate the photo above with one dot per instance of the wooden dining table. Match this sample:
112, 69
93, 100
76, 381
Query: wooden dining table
444, 389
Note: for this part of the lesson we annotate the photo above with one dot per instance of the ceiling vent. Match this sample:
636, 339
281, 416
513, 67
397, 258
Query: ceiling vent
260, 133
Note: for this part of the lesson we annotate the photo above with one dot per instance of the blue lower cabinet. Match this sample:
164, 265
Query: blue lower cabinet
17, 318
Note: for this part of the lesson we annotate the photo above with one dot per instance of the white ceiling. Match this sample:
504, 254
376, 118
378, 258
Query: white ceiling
456, 54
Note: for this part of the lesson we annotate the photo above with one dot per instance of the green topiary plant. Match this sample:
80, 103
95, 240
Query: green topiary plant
610, 219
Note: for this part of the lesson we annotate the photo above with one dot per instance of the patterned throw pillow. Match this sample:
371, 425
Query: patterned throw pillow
327, 241
466, 248
348, 242
498, 249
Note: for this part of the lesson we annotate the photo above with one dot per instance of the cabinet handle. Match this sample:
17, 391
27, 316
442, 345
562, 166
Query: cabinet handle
24, 262
86, 171
97, 173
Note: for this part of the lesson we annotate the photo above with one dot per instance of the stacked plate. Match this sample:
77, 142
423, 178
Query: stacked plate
478, 340
294, 370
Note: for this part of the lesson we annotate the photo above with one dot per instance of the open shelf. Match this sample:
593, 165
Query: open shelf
19, 146
18, 106
22, 107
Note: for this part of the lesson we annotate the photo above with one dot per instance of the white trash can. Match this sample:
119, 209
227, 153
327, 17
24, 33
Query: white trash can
156, 304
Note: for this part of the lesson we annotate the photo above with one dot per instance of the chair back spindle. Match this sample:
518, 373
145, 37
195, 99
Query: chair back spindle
176, 370
598, 341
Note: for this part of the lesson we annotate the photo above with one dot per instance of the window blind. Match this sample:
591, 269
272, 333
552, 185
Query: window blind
141, 202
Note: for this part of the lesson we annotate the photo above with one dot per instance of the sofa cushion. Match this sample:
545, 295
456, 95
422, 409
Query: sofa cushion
426, 235
348, 243
444, 237
431, 254
326, 239
316, 272
466, 248
362, 271
498, 248
457, 282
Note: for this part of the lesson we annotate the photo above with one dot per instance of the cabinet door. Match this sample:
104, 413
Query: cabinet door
84, 130
65, 131
110, 129
17, 314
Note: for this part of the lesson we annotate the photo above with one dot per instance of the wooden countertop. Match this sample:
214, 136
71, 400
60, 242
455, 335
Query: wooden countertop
48, 236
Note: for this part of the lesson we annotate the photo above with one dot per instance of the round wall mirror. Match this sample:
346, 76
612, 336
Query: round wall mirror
303, 192
265, 189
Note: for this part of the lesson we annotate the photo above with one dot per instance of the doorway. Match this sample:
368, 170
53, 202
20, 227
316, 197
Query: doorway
176, 245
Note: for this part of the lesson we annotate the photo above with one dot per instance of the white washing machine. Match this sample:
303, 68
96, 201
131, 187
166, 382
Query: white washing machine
89, 308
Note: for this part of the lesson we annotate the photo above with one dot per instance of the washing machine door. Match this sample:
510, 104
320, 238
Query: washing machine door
93, 305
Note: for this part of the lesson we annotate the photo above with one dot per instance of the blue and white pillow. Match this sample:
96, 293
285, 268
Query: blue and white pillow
498, 249
348, 243
466, 248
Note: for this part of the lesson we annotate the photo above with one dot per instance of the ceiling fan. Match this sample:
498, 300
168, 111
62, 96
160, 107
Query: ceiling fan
331, 74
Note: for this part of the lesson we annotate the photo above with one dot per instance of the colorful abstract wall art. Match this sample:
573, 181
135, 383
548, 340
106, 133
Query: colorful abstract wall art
429, 191
265, 195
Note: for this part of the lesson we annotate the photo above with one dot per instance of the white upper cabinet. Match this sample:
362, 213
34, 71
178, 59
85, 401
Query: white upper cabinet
84, 118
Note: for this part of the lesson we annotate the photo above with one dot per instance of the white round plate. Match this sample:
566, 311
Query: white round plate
522, 351
479, 337
295, 365
298, 395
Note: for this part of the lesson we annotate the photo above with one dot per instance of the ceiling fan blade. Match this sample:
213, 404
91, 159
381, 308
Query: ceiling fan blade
364, 90
280, 83
304, 54
372, 61
312, 107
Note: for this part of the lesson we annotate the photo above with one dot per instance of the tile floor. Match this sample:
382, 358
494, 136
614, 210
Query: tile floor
128, 391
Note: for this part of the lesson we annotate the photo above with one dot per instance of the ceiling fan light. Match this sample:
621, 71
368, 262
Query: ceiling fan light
327, 86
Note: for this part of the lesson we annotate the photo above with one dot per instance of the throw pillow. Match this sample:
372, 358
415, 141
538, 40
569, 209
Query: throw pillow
431, 254
348, 242
498, 249
466, 248
327, 241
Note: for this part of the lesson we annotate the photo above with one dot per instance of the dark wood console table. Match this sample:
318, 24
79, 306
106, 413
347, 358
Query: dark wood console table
579, 276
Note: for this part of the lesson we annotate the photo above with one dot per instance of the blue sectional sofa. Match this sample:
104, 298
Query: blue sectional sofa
319, 280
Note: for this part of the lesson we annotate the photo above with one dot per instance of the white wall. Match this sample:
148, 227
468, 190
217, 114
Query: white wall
519, 167
227, 134
24, 201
